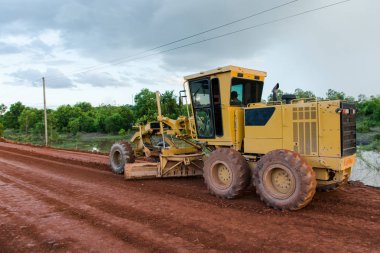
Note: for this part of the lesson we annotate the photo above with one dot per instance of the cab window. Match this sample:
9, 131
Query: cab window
245, 91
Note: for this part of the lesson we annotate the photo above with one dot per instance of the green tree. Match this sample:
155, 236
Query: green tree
74, 125
38, 131
300, 93
87, 123
145, 106
169, 105
100, 122
126, 113
1, 129
122, 132
362, 97
64, 114
113, 123
338, 95
11, 116
28, 118
279, 95
3, 109
369, 112
84, 106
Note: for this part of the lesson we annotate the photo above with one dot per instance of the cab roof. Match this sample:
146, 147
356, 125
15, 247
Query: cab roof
229, 68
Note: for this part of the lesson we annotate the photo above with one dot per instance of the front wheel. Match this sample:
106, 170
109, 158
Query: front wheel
226, 173
283, 180
121, 153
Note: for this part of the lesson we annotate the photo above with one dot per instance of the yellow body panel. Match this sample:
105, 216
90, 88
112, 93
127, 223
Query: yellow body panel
329, 129
262, 145
300, 128
262, 139
334, 163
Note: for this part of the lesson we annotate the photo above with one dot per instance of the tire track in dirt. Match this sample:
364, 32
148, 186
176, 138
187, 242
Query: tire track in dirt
85, 159
322, 225
103, 203
131, 232
159, 222
47, 224
197, 192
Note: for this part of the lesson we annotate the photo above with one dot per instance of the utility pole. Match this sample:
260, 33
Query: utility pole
45, 114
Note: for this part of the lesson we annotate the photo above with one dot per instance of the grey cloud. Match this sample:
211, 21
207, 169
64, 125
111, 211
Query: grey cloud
8, 49
39, 46
28, 75
36, 46
55, 79
108, 30
329, 42
58, 62
99, 79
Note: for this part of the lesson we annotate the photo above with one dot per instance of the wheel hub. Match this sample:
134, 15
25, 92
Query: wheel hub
222, 175
279, 181
282, 181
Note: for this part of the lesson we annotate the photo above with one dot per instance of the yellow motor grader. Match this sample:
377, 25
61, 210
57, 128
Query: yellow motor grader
287, 149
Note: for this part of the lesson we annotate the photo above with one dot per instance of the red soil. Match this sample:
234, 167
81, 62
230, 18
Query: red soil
65, 201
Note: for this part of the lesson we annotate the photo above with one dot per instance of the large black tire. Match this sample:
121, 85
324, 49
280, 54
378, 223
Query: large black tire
284, 180
226, 173
121, 153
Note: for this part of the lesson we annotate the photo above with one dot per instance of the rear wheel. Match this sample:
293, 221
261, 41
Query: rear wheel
283, 180
121, 153
226, 173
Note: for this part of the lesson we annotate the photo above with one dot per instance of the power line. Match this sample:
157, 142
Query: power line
223, 35
190, 36
238, 31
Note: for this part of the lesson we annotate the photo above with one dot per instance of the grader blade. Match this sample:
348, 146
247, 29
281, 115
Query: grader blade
141, 170
168, 166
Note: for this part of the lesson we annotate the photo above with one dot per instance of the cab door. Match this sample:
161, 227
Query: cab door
203, 108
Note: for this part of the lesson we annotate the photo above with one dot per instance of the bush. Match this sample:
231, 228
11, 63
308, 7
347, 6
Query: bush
122, 132
376, 137
1, 129
373, 146
113, 123
74, 125
363, 127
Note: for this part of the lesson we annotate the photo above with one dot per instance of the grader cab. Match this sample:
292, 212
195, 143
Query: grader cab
287, 150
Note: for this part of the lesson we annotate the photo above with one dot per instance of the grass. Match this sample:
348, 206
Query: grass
80, 141
369, 141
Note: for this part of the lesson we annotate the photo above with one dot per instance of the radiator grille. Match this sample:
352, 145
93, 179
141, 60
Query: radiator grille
305, 130
348, 130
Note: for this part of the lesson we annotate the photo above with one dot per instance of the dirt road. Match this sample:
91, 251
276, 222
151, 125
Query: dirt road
57, 201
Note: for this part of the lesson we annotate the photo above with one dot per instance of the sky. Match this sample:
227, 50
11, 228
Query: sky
94, 50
